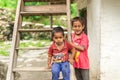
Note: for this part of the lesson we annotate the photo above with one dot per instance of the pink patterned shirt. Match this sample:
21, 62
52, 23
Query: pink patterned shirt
81, 57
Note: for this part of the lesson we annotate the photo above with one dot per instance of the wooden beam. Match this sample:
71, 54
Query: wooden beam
36, 30
40, 13
44, 9
46, 0
10, 75
31, 69
35, 48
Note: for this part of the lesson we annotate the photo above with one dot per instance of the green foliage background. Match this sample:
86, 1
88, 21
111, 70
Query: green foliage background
8, 4
12, 4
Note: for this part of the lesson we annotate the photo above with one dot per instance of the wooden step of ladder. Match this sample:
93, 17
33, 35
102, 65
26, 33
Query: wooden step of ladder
36, 30
59, 7
31, 69
44, 10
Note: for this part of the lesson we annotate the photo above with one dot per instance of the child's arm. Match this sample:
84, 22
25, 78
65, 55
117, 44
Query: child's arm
49, 61
50, 57
82, 45
73, 53
72, 56
81, 48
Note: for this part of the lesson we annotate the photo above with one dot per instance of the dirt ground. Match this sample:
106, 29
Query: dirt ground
31, 58
34, 58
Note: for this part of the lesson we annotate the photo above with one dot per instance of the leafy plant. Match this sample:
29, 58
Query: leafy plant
3, 52
8, 4
40, 43
74, 10
4, 47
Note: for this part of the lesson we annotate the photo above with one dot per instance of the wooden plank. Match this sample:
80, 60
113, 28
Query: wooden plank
44, 9
31, 69
36, 30
40, 13
46, 0
32, 48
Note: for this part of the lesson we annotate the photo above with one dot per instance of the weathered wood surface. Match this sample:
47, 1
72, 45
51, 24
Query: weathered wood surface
40, 13
36, 30
13, 55
29, 69
44, 9
47, 0
33, 48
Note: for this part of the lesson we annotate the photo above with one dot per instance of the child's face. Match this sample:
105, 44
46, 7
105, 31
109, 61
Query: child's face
77, 27
58, 38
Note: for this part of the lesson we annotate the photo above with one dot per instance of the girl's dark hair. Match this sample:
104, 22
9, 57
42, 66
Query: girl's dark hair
57, 29
78, 19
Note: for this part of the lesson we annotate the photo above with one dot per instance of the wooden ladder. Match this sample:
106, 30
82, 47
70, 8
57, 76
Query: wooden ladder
57, 9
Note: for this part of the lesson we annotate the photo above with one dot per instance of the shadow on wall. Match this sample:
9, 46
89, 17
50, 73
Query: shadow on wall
83, 14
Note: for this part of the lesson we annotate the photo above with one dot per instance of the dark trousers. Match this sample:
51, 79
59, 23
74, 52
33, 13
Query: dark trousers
82, 74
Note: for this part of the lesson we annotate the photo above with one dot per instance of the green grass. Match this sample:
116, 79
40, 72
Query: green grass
40, 43
5, 47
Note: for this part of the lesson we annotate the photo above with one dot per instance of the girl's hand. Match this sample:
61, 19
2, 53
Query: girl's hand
71, 61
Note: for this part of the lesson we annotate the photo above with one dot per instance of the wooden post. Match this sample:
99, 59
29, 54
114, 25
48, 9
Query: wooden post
51, 21
10, 75
72, 76
68, 19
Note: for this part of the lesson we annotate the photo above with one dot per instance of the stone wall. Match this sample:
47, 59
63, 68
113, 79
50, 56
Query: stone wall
3, 71
5, 20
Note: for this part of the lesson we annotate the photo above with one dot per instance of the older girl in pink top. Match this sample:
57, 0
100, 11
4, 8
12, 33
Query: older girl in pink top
81, 43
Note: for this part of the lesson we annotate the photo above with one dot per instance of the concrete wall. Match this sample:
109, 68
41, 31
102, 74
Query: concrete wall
94, 33
110, 40
103, 24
